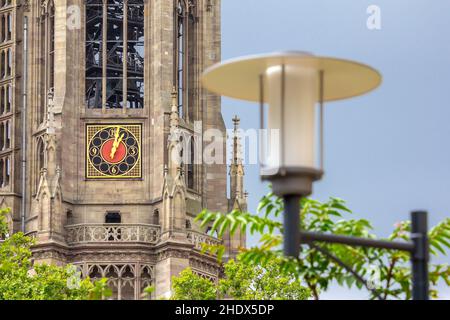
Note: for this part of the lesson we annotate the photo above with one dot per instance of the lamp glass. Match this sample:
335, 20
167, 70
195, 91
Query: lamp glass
295, 145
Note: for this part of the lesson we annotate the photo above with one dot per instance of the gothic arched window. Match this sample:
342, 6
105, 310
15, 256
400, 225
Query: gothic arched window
184, 56
47, 48
3, 63
3, 92
115, 54
40, 157
3, 37
5, 99
2, 176
7, 134
2, 136
5, 171
127, 281
191, 165
51, 46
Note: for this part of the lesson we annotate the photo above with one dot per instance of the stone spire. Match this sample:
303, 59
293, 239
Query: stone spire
238, 196
174, 183
237, 166
47, 205
175, 146
50, 136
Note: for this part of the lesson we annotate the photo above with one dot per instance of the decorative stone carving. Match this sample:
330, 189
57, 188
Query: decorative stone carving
204, 266
198, 239
95, 255
127, 281
106, 233
173, 253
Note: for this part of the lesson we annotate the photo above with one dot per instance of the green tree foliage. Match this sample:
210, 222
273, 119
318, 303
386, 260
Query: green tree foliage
240, 282
21, 280
249, 282
189, 286
387, 272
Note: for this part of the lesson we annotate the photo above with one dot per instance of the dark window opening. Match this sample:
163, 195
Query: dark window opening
190, 167
46, 58
69, 216
156, 217
51, 48
185, 48
113, 217
114, 233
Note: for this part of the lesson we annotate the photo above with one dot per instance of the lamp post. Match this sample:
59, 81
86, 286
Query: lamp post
295, 86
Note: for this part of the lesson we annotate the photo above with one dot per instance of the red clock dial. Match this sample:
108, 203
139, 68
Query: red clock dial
119, 154
114, 151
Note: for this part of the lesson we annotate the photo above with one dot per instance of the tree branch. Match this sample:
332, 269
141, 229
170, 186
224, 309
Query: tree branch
389, 277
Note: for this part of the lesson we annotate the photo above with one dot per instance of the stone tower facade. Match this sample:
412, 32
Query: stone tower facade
96, 98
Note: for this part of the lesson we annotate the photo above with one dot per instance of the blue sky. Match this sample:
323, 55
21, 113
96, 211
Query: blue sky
388, 152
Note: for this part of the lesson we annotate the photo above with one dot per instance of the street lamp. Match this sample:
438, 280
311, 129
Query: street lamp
295, 86
292, 84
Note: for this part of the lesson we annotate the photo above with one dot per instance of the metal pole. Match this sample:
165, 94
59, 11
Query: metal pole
24, 124
311, 237
262, 143
420, 255
292, 225
321, 120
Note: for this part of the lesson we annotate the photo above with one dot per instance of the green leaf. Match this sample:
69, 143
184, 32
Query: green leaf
223, 227
217, 222
436, 245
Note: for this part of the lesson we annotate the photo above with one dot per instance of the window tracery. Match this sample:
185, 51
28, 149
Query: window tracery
115, 54
127, 281
40, 160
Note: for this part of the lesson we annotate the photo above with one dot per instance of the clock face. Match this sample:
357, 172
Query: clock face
113, 151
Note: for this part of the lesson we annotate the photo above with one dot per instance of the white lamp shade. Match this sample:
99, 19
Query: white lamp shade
295, 145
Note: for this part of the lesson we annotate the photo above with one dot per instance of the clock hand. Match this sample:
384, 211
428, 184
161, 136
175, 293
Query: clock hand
121, 138
116, 143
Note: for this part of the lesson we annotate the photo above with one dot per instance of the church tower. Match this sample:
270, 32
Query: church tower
238, 195
102, 124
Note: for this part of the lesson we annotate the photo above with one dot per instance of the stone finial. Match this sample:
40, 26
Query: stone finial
50, 112
174, 113
236, 122
174, 99
236, 151
180, 171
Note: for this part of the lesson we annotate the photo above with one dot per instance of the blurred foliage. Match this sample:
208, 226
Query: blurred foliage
388, 272
20, 279
240, 281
